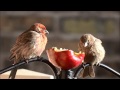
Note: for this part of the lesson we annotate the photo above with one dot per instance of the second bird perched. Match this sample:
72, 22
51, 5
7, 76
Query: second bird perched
94, 53
29, 44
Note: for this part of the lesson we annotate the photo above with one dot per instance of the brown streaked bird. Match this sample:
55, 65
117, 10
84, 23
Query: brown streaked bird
94, 53
29, 44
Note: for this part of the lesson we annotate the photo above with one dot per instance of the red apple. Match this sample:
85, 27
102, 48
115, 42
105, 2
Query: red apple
64, 58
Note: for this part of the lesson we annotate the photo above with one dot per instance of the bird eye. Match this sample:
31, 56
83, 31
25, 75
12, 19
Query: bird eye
38, 29
88, 42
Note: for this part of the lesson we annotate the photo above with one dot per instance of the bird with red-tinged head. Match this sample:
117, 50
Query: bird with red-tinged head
29, 44
94, 53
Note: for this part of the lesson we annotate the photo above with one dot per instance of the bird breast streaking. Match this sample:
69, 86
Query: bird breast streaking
30, 43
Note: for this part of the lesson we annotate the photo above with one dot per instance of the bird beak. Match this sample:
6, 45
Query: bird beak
86, 44
46, 31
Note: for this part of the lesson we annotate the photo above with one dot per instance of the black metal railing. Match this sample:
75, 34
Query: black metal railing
64, 74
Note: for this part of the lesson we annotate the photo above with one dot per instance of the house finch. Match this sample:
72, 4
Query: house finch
94, 53
29, 44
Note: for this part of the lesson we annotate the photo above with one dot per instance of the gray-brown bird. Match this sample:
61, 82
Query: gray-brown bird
94, 53
29, 44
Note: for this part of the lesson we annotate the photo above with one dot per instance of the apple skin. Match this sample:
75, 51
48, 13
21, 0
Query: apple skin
65, 60
68, 60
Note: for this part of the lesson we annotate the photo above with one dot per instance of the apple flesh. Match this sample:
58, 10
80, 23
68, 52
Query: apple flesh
64, 58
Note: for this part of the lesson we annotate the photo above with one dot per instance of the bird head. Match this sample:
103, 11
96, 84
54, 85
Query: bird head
87, 40
40, 28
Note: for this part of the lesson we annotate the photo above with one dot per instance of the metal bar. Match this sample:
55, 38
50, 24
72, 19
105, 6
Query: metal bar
110, 69
79, 69
66, 74
100, 65
29, 61
51, 66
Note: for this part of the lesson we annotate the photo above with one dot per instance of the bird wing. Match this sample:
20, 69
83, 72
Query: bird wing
24, 45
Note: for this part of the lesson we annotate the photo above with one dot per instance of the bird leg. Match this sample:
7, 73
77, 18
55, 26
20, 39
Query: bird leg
83, 65
81, 73
59, 71
97, 64
27, 61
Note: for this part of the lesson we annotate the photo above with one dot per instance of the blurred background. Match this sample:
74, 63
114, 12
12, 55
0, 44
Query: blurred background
65, 27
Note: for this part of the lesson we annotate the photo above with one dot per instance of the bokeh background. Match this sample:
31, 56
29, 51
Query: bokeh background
65, 27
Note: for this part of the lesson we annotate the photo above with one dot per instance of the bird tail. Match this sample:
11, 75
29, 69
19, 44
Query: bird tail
88, 71
91, 71
13, 73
